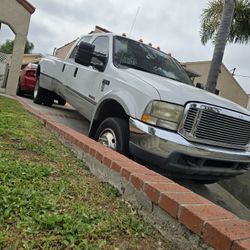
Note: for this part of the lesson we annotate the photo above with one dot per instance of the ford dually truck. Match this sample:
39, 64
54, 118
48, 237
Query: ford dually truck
140, 102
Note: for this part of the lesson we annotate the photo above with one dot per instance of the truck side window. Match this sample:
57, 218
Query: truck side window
101, 45
84, 39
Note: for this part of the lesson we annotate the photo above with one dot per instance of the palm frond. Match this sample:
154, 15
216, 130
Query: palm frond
211, 17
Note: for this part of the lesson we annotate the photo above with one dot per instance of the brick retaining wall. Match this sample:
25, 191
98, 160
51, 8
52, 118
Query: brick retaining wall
173, 209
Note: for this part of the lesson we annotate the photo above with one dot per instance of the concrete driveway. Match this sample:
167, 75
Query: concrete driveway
68, 116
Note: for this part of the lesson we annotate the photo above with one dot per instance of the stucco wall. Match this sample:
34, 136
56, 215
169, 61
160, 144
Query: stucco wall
17, 17
63, 51
227, 85
31, 58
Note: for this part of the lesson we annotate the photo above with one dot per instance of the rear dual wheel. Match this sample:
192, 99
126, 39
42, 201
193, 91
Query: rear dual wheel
42, 96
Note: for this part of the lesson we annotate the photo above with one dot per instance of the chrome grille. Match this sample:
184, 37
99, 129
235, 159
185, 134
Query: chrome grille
216, 126
191, 116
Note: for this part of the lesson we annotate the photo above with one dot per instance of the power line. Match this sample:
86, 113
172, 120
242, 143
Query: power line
233, 73
133, 24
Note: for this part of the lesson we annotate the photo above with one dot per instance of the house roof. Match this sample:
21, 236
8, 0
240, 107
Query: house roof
30, 8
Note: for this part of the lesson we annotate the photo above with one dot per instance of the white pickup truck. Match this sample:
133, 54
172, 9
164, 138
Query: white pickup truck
140, 102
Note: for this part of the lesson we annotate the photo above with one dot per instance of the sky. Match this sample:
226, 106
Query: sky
172, 25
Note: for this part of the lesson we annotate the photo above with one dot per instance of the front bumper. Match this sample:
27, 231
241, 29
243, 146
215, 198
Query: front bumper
179, 157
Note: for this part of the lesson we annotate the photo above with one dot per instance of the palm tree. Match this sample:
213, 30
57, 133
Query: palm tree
223, 19
220, 44
240, 28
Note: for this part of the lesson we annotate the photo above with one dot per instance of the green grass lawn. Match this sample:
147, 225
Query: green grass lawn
49, 199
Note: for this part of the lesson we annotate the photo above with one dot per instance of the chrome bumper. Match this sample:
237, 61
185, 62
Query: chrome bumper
162, 146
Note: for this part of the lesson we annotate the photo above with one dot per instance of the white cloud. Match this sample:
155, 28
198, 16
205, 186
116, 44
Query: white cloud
173, 25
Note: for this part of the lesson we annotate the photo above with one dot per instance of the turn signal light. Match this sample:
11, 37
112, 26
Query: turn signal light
145, 118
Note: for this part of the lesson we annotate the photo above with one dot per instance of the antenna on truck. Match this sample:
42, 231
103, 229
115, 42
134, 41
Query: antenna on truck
133, 24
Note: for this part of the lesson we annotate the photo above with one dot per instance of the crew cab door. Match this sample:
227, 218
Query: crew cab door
83, 82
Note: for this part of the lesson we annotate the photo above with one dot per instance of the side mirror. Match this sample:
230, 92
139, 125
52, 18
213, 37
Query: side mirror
84, 53
86, 56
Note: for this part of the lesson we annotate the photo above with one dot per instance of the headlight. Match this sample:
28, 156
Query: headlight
163, 114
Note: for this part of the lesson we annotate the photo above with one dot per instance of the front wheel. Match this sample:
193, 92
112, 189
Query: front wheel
113, 133
205, 181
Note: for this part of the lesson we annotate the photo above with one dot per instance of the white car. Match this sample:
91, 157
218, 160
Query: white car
141, 102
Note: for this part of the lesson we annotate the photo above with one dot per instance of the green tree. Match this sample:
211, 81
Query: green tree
240, 27
7, 47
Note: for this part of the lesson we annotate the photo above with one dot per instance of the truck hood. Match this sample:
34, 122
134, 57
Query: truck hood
181, 93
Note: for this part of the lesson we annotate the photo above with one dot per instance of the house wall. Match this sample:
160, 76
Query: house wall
248, 105
227, 85
16, 14
63, 51
31, 58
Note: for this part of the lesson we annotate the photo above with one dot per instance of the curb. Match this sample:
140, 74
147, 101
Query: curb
218, 227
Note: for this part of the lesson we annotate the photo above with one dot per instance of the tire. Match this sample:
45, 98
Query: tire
205, 181
61, 101
49, 100
113, 133
19, 92
40, 94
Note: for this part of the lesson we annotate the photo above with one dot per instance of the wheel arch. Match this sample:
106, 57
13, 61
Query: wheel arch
108, 108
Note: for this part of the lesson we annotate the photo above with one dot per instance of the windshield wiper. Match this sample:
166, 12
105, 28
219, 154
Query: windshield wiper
136, 67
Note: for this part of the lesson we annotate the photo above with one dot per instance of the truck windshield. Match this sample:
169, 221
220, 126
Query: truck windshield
133, 54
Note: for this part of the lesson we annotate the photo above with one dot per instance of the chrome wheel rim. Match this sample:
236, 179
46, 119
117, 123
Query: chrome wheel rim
108, 138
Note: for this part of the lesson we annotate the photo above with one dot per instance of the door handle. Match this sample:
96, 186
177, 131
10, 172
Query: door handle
63, 68
104, 82
75, 73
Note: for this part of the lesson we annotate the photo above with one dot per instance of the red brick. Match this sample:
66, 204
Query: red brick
137, 182
66, 135
116, 167
194, 216
115, 156
99, 156
138, 179
73, 139
153, 190
92, 152
171, 202
241, 245
97, 151
152, 178
127, 171
111, 156
221, 234
83, 146
106, 161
